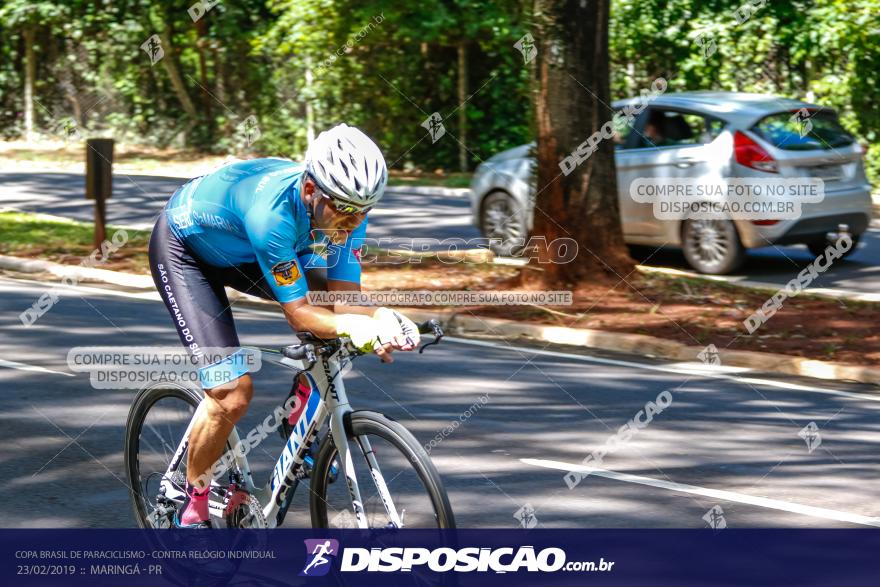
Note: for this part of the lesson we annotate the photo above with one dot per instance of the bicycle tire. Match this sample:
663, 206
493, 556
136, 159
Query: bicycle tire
141, 405
364, 422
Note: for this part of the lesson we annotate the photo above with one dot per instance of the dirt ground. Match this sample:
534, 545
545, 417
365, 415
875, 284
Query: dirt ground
690, 311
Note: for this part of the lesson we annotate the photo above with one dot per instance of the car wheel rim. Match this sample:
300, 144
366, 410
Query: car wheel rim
502, 221
709, 241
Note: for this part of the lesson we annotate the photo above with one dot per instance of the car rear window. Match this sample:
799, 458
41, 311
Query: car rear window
803, 130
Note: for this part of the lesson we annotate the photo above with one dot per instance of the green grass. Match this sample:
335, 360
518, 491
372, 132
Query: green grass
33, 235
452, 180
43, 156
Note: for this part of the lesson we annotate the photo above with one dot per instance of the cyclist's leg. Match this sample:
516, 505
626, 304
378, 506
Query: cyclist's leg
200, 309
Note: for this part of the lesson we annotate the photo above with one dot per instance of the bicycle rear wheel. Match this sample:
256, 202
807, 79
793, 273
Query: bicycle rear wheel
418, 498
157, 422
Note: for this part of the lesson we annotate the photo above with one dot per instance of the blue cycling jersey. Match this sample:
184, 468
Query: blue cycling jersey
251, 211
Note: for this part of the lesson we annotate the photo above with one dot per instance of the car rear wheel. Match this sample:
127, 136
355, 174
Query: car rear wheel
503, 221
712, 246
817, 247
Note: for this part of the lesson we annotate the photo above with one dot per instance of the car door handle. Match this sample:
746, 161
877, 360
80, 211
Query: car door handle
685, 162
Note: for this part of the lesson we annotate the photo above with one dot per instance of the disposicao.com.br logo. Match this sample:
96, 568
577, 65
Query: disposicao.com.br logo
319, 555
468, 559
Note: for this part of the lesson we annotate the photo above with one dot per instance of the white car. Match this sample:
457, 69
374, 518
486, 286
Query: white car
705, 134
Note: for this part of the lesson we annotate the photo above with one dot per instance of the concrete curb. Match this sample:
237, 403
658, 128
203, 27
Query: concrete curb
397, 256
76, 273
457, 323
640, 344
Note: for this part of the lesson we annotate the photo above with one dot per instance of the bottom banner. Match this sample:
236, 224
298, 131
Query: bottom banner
434, 557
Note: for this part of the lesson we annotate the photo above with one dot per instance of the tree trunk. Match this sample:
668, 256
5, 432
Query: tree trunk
67, 81
170, 64
220, 70
571, 104
462, 108
310, 111
30, 74
202, 44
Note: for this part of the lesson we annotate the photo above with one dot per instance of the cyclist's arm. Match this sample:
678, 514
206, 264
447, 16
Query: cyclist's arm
340, 308
321, 322
304, 317
277, 257
275, 253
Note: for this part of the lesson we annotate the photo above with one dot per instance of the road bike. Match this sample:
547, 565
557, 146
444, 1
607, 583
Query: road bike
406, 491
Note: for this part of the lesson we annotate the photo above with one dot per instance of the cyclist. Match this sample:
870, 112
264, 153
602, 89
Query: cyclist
275, 229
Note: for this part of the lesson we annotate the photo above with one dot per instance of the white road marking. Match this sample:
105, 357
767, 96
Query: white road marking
674, 368
721, 495
35, 368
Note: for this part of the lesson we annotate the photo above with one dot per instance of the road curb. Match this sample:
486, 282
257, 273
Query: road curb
76, 273
398, 256
463, 324
650, 346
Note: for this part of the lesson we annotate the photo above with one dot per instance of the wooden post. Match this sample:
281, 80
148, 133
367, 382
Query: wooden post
99, 181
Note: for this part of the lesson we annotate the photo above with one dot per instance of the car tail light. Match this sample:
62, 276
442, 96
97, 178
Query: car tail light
751, 154
765, 222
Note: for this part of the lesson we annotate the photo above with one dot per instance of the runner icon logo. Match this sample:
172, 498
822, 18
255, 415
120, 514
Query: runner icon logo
320, 552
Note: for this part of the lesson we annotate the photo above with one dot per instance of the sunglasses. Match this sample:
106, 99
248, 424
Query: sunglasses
345, 209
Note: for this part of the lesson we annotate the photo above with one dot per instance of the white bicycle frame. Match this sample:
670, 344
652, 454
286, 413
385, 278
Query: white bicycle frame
330, 402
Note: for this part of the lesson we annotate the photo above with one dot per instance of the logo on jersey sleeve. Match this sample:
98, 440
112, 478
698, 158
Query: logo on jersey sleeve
357, 253
286, 272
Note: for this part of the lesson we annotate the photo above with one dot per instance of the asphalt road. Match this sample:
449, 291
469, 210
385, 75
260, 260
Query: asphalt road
726, 439
138, 199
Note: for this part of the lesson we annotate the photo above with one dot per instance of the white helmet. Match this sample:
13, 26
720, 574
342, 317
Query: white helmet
348, 167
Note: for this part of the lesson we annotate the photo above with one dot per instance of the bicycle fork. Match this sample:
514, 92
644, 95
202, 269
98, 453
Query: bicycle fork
339, 413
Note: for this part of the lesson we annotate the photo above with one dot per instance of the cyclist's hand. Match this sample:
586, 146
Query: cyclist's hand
368, 335
406, 335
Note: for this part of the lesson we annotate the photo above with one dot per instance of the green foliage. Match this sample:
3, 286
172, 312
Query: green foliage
826, 51
386, 66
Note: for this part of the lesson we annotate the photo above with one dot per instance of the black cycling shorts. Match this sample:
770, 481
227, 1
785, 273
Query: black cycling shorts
193, 293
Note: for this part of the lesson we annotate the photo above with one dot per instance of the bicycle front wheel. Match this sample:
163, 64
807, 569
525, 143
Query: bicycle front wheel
399, 485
